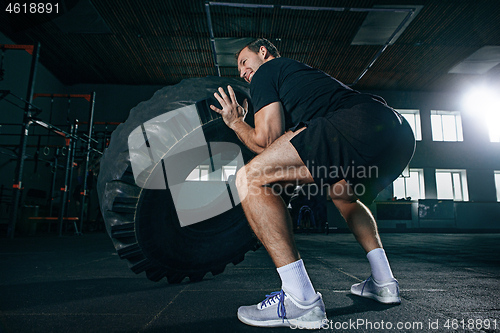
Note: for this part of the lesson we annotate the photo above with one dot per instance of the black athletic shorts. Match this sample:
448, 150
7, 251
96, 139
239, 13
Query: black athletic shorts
368, 145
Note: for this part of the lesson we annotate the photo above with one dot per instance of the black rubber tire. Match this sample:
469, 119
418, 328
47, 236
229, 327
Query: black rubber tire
143, 223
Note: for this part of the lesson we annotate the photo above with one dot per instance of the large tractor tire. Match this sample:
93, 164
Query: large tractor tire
143, 222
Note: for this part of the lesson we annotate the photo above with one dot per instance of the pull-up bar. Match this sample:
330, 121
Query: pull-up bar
55, 129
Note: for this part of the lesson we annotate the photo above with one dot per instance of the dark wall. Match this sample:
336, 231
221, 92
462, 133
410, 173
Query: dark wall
113, 102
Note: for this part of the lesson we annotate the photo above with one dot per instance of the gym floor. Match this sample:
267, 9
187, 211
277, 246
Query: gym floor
449, 283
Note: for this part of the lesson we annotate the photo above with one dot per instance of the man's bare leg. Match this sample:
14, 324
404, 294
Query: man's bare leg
266, 212
364, 227
272, 224
358, 217
297, 302
279, 165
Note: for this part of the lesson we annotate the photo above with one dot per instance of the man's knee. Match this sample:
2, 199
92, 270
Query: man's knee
250, 179
252, 173
341, 192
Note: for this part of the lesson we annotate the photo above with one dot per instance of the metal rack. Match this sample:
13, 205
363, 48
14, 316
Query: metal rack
71, 139
30, 118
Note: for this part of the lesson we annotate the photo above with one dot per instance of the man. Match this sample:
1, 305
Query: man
351, 143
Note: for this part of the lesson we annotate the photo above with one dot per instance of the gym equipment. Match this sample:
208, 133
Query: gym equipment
142, 221
29, 117
46, 149
34, 50
70, 149
71, 139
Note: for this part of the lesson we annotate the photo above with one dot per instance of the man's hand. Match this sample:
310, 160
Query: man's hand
269, 121
231, 112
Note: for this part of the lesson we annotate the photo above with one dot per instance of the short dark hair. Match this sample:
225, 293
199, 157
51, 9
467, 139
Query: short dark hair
255, 45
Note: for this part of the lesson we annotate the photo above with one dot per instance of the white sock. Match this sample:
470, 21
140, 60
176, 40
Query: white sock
295, 280
381, 271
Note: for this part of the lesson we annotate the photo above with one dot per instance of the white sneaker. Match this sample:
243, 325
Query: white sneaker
386, 292
280, 309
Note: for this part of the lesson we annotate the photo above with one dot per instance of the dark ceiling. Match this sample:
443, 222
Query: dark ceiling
153, 42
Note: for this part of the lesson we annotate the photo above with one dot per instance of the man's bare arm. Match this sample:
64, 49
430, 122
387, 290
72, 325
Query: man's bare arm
269, 121
268, 127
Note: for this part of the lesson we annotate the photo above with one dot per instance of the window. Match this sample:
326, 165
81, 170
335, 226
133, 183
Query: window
413, 118
410, 186
227, 171
452, 184
201, 173
497, 184
446, 126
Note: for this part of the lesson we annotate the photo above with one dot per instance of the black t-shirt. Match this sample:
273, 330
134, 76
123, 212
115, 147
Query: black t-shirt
304, 92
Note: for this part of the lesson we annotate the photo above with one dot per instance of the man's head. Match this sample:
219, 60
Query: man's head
253, 55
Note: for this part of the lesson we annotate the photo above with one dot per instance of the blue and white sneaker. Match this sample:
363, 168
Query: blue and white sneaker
386, 292
281, 309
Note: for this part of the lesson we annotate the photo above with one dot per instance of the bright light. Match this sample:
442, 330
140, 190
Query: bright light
484, 102
482, 99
